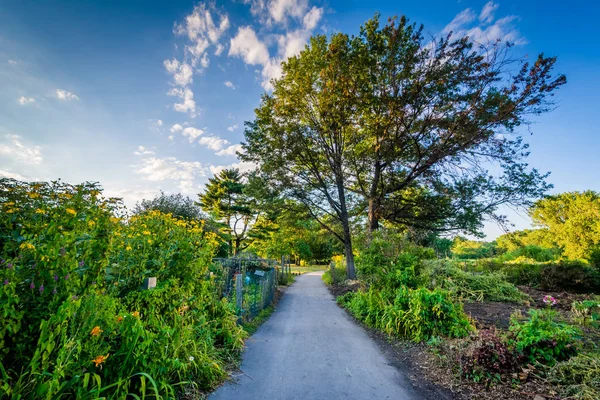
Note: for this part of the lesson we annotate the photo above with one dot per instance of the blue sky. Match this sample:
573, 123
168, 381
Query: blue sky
143, 96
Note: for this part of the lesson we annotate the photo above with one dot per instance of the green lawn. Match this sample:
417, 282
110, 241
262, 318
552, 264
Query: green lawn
296, 269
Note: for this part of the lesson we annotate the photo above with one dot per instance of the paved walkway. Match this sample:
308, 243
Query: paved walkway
310, 349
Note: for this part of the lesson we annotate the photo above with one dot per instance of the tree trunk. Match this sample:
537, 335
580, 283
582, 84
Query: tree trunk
350, 270
373, 215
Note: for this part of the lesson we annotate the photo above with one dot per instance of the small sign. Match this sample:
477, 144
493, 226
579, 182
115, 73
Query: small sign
149, 283
259, 272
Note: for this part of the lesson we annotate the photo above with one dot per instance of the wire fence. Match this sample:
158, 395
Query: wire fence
249, 283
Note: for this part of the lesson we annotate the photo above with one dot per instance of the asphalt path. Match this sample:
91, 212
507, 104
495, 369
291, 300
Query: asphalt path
311, 349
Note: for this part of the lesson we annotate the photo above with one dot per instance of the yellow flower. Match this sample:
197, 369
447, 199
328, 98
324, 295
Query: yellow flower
99, 360
135, 313
146, 232
10, 211
27, 246
96, 331
10, 203
71, 211
34, 195
128, 248
150, 241
40, 211
91, 223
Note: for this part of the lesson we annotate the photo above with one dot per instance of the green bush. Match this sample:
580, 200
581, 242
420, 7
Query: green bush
471, 286
417, 314
535, 253
339, 275
563, 275
542, 338
579, 377
73, 320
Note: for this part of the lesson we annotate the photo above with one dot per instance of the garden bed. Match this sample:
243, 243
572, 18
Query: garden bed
432, 368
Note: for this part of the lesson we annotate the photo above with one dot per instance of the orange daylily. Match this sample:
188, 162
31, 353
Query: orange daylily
135, 313
99, 360
96, 331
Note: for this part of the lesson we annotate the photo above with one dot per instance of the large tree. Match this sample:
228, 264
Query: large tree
401, 127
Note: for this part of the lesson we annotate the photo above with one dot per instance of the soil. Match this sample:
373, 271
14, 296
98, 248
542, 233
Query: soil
563, 299
490, 314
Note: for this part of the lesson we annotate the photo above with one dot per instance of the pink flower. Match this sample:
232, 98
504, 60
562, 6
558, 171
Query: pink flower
549, 300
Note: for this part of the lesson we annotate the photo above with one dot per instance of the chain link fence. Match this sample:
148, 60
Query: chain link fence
249, 283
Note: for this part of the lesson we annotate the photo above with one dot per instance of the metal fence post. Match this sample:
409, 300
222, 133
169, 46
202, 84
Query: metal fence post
239, 296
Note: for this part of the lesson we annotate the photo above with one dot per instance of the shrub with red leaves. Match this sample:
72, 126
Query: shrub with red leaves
489, 359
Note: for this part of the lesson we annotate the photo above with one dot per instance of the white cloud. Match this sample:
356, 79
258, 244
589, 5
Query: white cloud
192, 133
171, 137
219, 49
253, 51
62, 94
230, 85
248, 47
188, 104
278, 11
185, 173
202, 30
182, 72
490, 31
464, 17
230, 151
243, 166
176, 128
232, 127
213, 142
12, 62
142, 151
487, 13
19, 151
312, 18
159, 123
26, 100
12, 175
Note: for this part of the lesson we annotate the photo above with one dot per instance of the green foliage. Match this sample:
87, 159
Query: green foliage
74, 323
587, 312
561, 275
543, 338
573, 221
417, 314
226, 200
464, 249
465, 285
175, 204
531, 252
528, 237
579, 377
339, 275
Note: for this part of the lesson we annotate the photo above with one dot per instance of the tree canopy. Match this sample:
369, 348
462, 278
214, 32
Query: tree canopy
572, 220
225, 199
400, 128
176, 204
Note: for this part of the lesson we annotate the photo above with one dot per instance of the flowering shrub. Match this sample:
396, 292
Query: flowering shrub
73, 320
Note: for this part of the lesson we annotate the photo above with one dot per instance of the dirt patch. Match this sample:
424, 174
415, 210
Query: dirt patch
563, 299
490, 314
342, 289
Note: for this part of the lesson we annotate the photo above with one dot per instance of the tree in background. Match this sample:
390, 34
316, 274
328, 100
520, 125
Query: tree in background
403, 128
572, 220
176, 204
225, 200
465, 249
